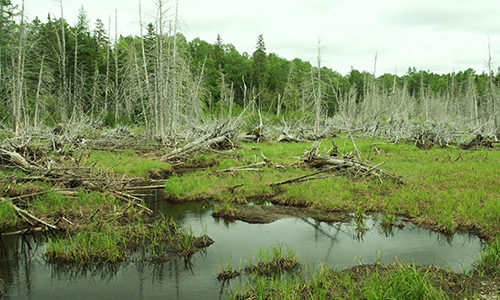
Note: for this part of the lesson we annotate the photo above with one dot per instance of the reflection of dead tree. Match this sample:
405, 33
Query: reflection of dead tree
320, 230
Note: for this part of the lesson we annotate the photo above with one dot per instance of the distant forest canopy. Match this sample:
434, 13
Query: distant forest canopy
53, 72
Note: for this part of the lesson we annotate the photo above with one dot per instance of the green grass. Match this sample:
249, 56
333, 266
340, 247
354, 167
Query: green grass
8, 215
87, 246
489, 260
273, 262
52, 202
387, 220
365, 282
126, 162
405, 282
447, 188
111, 242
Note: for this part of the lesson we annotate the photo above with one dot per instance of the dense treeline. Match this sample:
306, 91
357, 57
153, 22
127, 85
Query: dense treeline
53, 72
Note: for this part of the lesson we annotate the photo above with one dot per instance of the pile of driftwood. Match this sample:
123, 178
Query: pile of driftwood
331, 165
68, 180
479, 141
219, 139
425, 139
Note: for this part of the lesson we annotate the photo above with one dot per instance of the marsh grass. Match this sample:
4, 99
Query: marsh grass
8, 216
274, 262
489, 260
126, 162
387, 220
112, 242
446, 188
363, 282
227, 272
52, 204
359, 221
404, 282
88, 246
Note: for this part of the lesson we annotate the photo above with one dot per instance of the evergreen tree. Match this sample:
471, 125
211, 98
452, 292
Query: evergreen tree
259, 63
259, 69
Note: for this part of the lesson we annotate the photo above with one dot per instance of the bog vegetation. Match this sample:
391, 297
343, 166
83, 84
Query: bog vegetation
89, 119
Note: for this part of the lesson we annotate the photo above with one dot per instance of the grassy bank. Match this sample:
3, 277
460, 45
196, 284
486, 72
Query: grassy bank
396, 281
275, 274
445, 188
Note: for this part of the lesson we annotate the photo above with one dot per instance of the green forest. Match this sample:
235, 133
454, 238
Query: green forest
53, 73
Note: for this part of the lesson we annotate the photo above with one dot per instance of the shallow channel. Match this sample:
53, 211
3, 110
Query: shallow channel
25, 275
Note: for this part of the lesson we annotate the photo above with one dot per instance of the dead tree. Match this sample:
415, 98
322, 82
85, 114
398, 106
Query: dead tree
317, 98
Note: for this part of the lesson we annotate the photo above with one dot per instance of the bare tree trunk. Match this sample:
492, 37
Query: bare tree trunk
116, 67
317, 100
278, 108
231, 100
221, 100
37, 96
139, 86
175, 101
17, 91
244, 93
144, 64
492, 92
94, 90
106, 80
63, 68
75, 86
161, 92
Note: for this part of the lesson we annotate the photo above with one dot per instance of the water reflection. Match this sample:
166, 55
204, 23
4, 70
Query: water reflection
24, 273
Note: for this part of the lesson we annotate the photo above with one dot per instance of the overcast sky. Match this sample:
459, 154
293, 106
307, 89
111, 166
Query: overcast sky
437, 35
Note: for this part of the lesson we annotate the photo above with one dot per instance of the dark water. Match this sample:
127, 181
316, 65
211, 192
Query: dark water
25, 275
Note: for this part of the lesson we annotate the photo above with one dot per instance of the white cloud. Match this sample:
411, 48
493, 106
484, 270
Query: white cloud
441, 36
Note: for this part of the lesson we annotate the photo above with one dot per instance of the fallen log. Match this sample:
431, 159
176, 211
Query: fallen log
356, 168
23, 231
203, 142
25, 214
132, 200
17, 159
301, 178
251, 167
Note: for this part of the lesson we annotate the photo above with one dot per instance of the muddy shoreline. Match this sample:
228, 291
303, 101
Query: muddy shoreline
282, 208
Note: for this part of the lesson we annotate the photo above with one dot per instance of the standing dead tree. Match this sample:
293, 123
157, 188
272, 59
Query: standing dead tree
18, 79
317, 98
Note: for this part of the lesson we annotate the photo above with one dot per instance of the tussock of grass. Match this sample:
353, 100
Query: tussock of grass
387, 220
111, 243
88, 246
274, 262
